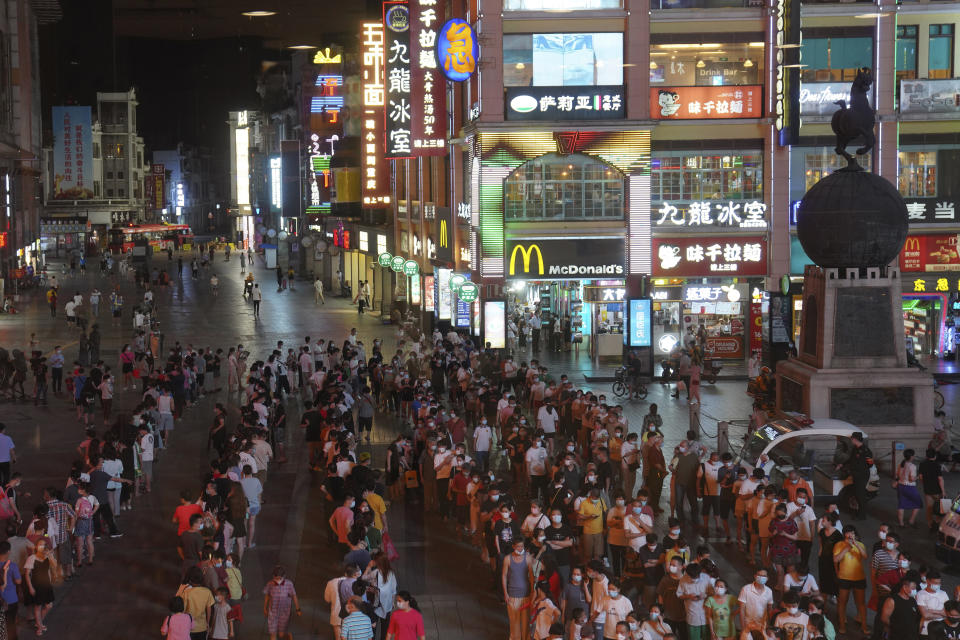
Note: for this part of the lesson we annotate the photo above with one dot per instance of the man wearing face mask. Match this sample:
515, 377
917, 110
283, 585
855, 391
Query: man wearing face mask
800, 511
792, 622
673, 609
932, 601
482, 440
693, 591
536, 459
756, 602
901, 615
517, 581
685, 471
949, 627
590, 516
560, 540
651, 555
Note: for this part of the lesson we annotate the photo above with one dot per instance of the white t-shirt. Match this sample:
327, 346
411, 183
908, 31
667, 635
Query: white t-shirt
933, 601
165, 404
696, 616
805, 519
548, 420
536, 461
69, 307
755, 603
481, 438
146, 447
631, 524
807, 586
617, 610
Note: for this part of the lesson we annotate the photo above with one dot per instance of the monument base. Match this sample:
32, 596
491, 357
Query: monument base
889, 403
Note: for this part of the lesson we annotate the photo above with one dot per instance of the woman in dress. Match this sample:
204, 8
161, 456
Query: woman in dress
783, 545
40, 569
278, 596
829, 536
908, 496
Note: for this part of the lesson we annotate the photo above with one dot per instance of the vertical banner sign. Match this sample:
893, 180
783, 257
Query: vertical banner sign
494, 323
159, 186
787, 107
429, 95
72, 154
396, 21
429, 300
376, 182
290, 172
756, 327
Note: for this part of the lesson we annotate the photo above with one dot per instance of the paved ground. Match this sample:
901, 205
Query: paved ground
124, 594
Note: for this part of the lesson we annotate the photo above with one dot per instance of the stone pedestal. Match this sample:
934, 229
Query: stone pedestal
852, 362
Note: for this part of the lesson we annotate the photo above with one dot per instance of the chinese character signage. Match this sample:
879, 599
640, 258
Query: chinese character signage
428, 95
786, 105
641, 326
749, 214
375, 178
457, 49
941, 283
159, 178
72, 154
706, 103
733, 256
931, 253
932, 210
565, 103
930, 96
396, 21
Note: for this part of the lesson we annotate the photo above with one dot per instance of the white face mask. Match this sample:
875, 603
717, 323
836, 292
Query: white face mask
556, 519
792, 610
720, 590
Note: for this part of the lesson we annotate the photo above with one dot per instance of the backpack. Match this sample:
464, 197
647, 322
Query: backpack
84, 508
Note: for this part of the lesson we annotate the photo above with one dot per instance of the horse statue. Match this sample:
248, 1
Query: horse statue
858, 120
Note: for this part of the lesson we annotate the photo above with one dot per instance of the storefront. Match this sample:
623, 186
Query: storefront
704, 285
552, 275
930, 273
63, 235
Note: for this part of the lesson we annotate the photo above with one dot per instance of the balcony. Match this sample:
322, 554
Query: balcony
705, 4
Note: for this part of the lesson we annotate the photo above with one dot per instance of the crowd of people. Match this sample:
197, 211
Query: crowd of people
560, 496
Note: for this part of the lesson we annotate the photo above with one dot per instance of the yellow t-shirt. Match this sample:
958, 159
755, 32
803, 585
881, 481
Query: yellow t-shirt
850, 566
378, 507
195, 602
587, 509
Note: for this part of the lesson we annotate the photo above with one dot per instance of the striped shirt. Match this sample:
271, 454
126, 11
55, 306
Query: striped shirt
356, 626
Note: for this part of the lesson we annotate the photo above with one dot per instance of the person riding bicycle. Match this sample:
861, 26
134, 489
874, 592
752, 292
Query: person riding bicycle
248, 284
634, 372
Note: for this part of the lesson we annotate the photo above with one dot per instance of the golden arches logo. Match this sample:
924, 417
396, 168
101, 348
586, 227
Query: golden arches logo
912, 244
527, 253
444, 241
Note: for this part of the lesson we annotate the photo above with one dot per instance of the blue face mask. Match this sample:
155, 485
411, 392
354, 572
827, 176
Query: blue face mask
762, 579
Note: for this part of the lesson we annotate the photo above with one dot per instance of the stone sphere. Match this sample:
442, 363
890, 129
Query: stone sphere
852, 219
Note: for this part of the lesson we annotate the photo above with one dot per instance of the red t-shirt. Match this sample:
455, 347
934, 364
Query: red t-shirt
406, 624
183, 513
460, 483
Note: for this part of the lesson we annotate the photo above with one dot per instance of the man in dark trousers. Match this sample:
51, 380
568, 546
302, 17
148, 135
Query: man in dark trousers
861, 459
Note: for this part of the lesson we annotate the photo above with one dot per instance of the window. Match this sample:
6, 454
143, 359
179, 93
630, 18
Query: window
96, 149
119, 175
822, 162
562, 59
940, 61
906, 52
835, 59
559, 5
575, 187
109, 193
121, 193
918, 174
691, 65
703, 4
109, 175
686, 176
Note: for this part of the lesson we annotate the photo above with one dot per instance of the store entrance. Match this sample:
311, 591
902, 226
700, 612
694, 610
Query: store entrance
928, 332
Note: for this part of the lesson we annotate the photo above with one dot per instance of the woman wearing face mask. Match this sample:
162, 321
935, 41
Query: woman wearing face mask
40, 570
406, 621
654, 626
544, 612
829, 536
722, 609
908, 496
783, 536
849, 555
536, 520
575, 595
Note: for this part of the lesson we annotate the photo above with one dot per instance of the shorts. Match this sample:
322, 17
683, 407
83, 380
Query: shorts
146, 468
724, 505
710, 505
88, 408
253, 510
166, 422
550, 435
851, 584
127, 367
117, 312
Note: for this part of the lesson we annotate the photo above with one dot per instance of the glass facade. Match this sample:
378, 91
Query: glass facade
835, 59
687, 176
690, 65
560, 5
820, 162
918, 174
907, 52
555, 187
562, 59
940, 60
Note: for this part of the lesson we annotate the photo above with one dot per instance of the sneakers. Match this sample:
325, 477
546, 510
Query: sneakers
116, 535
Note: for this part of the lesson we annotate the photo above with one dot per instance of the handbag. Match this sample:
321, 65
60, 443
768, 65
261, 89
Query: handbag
389, 548
6, 507
410, 479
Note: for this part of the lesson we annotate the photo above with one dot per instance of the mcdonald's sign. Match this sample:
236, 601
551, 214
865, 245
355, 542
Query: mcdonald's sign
564, 258
931, 253
445, 231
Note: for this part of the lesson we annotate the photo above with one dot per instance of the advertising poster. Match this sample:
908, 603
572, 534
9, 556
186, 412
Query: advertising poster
706, 103
429, 301
931, 253
444, 294
494, 323
731, 256
463, 311
930, 96
72, 154
640, 323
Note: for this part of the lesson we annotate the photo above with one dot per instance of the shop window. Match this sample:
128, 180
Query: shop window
562, 59
560, 5
824, 161
940, 60
703, 4
835, 59
918, 174
706, 176
554, 187
691, 65
907, 52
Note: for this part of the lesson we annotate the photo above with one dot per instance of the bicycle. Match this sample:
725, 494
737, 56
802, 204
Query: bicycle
623, 387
